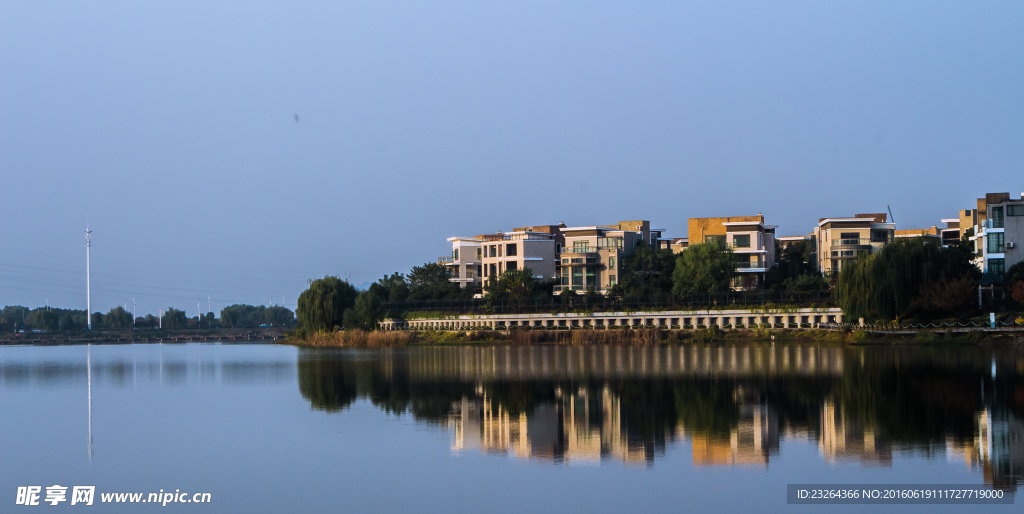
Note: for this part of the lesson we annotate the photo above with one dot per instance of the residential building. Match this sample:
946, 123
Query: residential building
465, 263
932, 233
592, 255
998, 232
951, 234
515, 250
842, 240
751, 240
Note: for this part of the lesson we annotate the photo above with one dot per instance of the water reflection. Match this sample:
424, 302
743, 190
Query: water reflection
732, 404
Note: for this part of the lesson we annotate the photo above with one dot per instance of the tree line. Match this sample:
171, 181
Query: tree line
914, 278
14, 318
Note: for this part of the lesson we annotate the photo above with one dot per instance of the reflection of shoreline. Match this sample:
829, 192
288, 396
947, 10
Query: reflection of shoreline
732, 404
553, 362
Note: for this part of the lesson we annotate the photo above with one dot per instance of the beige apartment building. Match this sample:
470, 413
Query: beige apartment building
592, 256
842, 240
997, 228
752, 242
465, 264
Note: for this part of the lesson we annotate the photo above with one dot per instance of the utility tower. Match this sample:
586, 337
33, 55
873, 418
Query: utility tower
88, 290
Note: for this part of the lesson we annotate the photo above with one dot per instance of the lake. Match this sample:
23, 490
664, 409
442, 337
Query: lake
267, 428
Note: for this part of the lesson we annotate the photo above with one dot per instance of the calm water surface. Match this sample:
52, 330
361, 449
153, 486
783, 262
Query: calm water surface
509, 429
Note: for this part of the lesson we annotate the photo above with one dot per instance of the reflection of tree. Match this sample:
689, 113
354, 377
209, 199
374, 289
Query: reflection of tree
324, 381
879, 400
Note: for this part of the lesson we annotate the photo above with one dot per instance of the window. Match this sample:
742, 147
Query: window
611, 280
581, 246
565, 261
577, 261
882, 236
996, 268
479, 270
591, 275
997, 217
511, 266
494, 250
478, 253
455, 254
609, 242
499, 250
715, 239
511, 250
611, 263
565, 280
577, 276
995, 242
558, 247
1015, 210
741, 241
494, 269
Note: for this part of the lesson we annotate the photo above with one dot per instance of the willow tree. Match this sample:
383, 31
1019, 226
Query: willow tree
322, 306
883, 286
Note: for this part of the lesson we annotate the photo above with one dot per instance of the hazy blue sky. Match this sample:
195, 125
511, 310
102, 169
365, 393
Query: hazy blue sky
171, 129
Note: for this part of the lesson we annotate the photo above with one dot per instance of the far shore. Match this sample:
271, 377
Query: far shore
267, 334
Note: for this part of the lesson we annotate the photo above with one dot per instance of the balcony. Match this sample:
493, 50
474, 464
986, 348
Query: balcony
445, 261
741, 266
852, 242
993, 223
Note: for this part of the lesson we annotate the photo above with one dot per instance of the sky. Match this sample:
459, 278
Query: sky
233, 150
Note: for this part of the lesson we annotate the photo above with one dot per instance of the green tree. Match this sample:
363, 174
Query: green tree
97, 321
704, 268
884, 285
367, 312
174, 318
322, 306
514, 287
646, 272
1013, 275
430, 282
12, 317
392, 288
118, 319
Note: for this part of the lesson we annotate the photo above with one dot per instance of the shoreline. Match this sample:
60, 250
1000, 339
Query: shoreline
644, 337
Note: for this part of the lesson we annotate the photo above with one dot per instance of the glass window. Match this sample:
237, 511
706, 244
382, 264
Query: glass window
581, 246
609, 242
511, 266
997, 217
1015, 210
577, 276
479, 253
611, 280
611, 263
511, 250
995, 242
455, 253
741, 241
715, 239
577, 261
996, 268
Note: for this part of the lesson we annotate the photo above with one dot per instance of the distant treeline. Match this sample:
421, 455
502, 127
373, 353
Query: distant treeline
14, 318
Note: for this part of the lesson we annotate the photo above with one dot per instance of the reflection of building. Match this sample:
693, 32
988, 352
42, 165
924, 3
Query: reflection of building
842, 438
997, 448
581, 427
750, 442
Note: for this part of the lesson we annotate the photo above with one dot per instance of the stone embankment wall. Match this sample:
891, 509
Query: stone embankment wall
740, 318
